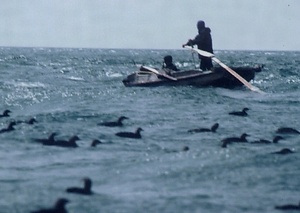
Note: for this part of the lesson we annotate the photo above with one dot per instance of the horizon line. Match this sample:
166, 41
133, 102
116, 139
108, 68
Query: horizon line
123, 48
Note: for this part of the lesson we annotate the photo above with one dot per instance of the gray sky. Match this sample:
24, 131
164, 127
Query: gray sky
157, 24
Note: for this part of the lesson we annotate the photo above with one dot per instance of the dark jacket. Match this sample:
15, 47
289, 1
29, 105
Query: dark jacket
202, 40
171, 67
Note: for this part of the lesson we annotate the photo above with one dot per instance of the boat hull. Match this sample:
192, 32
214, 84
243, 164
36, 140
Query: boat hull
218, 77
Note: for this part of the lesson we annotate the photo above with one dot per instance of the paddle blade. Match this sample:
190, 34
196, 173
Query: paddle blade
158, 73
200, 52
256, 89
150, 69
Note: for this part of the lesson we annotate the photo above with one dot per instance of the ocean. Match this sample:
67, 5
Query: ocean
69, 91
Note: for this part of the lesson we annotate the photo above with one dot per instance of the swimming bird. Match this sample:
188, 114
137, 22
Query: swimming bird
9, 128
47, 141
240, 113
212, 129
58, 208
185, 148
5, 113
283, 151
287, 130
95, 143
86, 190
30, 121
70, 143
288, 207
229, 140
136, 134
263, 141
114, 123
224, 144
240, 139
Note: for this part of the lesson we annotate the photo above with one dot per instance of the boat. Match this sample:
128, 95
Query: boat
217, 77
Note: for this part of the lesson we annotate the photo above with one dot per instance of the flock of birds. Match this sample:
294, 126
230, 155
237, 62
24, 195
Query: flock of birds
50, 141
243, 137
59, 206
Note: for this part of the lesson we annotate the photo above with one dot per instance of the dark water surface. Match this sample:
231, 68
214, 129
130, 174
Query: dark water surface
69, 91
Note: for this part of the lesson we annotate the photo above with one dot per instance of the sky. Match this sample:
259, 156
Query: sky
155, 24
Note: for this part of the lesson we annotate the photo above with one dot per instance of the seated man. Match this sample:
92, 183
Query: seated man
168, 63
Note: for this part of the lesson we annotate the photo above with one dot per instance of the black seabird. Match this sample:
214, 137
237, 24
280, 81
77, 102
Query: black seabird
284, 151
212, 129
58, 208
288, 207
263, 141
240, 113
86, 190
241, 139
5, 113
185, 148
9, 128
114, 123
47, 141
224, 144
70, 143
287, 130
31, 121
95, 143
136, 134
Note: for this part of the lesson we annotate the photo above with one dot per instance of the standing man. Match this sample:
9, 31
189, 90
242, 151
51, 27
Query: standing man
204, 42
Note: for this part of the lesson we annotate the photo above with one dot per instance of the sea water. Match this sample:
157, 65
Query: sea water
69, 91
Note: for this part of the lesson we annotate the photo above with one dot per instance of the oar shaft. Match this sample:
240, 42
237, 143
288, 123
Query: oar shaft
231, 71
237, 76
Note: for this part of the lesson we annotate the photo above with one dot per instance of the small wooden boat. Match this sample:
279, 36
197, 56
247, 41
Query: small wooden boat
217, 77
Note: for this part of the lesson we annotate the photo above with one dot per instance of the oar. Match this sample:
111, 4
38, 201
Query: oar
158, 73
231, 71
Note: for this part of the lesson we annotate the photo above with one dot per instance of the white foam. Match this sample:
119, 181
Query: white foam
28, 84
73, 78
113, 75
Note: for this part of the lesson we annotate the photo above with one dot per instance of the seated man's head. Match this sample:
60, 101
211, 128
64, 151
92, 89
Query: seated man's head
168, 59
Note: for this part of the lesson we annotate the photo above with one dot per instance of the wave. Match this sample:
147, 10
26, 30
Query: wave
73, 78
27, 84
